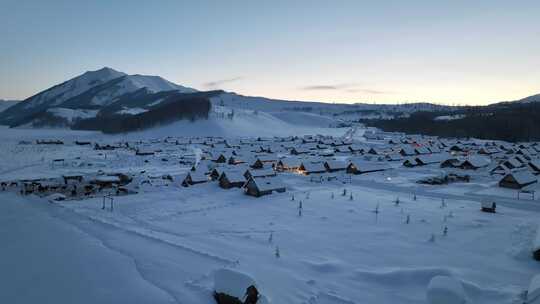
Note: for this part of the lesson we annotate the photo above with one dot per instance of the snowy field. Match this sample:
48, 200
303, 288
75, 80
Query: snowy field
340, 241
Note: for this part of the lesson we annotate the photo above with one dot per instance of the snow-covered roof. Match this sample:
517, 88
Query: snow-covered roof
268, 183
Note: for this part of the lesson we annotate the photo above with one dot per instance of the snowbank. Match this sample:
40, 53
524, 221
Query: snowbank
235, 283
445, 290
533, 294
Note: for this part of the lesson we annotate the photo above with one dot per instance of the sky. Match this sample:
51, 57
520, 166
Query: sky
448, 52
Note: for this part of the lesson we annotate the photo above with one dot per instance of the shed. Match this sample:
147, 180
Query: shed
488, 207
263, 186
517, 180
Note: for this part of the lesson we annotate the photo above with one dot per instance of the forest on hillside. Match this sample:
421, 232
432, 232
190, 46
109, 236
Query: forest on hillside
509, 121
185, 108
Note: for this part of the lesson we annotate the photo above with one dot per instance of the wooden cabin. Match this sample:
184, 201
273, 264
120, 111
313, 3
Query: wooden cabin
231, 179
308, 168
263, 186
259, 173
356, 167
193, 178
517, 180
335, 165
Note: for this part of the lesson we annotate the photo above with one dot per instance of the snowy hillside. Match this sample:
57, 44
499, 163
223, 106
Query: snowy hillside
5, 104
246, 123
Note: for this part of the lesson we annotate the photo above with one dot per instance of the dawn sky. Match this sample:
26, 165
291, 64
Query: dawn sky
472, 52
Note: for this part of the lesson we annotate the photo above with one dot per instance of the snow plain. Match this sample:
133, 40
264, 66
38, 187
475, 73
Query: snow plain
165, 244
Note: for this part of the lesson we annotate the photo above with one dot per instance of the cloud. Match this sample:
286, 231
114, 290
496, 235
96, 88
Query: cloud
346, 87
369, 91
340, 86
217, 83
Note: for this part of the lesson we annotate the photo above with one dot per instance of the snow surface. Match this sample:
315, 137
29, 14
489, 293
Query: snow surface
71, 114
445, 290
533, 293
165, 243
450, 117
132, 111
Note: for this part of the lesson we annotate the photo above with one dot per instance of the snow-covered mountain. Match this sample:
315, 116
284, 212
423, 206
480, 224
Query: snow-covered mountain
89, 91
533, 98
5, 104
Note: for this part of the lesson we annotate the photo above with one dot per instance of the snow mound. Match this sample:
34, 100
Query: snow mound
533, 294
56, 197
445, 290
400, 276
536, 244
235, 283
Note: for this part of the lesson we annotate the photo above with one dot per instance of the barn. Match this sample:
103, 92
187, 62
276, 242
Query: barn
263, 186
517, 180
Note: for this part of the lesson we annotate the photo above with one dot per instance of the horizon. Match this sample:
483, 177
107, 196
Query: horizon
454, 53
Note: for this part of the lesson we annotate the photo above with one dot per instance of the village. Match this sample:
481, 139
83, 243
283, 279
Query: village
165, 189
